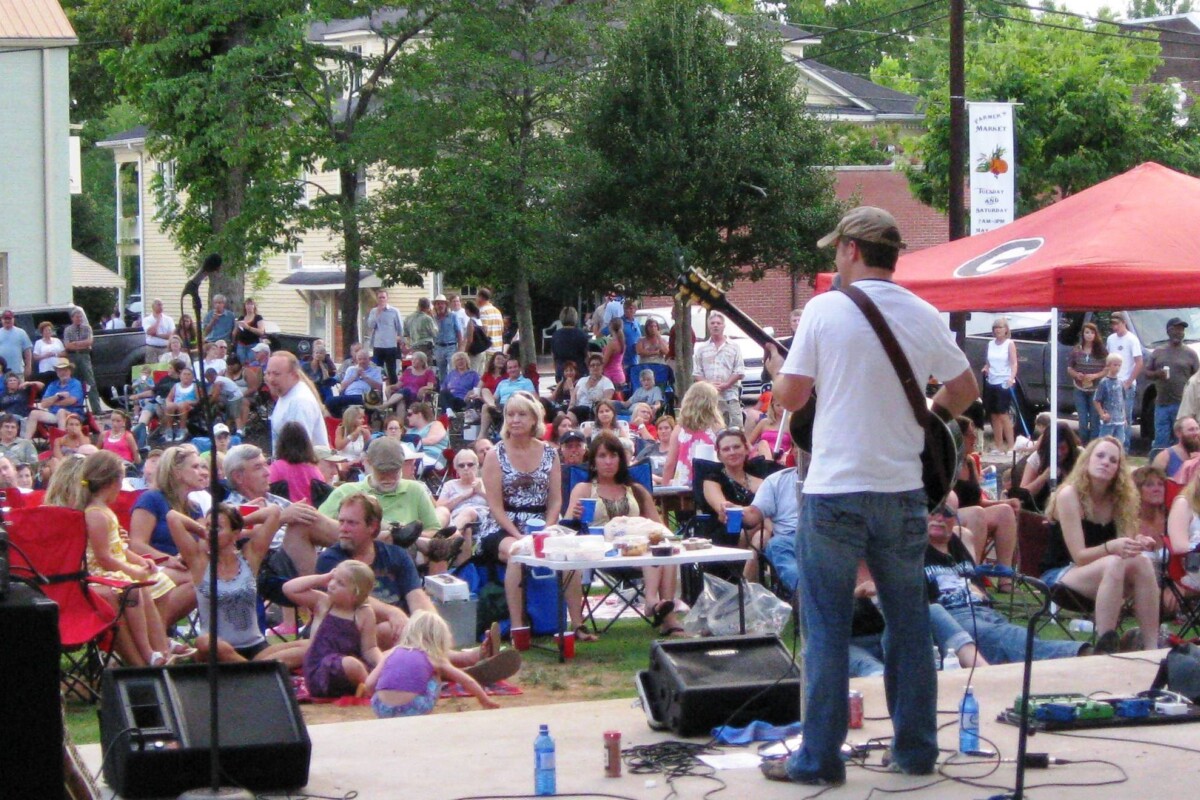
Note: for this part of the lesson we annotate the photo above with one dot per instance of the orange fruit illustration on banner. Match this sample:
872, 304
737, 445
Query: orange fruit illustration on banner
992, 162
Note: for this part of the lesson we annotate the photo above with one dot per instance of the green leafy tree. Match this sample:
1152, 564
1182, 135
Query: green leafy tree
1078, 123
476, 185
212, 79
701, 150
342, 125
1140, 9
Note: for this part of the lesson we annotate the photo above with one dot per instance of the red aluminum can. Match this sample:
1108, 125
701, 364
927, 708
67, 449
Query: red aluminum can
612, 754
856, 709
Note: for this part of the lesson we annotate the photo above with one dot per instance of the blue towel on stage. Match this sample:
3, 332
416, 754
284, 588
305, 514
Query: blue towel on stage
757, 731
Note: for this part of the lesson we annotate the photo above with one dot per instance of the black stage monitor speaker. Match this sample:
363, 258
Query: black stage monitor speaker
694, 685
154, 728
31, 734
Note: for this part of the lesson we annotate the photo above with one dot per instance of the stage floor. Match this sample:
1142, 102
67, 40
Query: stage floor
490, 753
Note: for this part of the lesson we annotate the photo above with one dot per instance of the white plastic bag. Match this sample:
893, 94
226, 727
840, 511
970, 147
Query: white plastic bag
715, 612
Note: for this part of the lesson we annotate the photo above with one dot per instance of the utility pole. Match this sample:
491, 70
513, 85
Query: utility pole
958, 143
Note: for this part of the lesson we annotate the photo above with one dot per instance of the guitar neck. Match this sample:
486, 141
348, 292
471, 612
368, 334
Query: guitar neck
751, 328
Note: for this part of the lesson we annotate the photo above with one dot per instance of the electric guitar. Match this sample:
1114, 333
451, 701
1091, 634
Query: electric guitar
943, 451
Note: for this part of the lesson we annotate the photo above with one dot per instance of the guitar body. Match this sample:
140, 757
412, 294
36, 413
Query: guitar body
943, 451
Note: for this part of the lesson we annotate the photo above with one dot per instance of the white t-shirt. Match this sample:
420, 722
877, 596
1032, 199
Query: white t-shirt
301, 405
166, 327
1128, 348
865, 437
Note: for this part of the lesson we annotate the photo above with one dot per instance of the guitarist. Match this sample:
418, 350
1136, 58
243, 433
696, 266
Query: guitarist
863, 496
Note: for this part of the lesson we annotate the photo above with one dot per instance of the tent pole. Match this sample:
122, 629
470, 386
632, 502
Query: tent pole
1053, 342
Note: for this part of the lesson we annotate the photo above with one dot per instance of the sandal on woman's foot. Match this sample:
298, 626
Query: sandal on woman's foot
1004, 586
661, 612
674, 632
582, 634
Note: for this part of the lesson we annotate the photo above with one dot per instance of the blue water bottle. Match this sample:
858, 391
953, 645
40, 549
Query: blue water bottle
968, 723
543, 763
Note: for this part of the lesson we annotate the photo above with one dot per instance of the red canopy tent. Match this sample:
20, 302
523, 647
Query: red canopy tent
1130, 242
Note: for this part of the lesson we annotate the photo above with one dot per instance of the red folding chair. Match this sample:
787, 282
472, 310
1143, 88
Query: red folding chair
49, 548
123, 506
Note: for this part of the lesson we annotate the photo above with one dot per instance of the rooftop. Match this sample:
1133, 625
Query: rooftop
36, 22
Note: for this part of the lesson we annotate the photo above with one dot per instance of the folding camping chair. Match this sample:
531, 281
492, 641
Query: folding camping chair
49, 551
624, 583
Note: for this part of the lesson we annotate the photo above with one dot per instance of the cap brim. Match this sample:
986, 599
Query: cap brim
828, 239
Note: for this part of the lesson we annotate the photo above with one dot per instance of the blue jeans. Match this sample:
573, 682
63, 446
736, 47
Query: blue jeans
1130, 396
866, 652
1002, 642
1164, 426
1089, 418
781, 552
888, 530
1115, 430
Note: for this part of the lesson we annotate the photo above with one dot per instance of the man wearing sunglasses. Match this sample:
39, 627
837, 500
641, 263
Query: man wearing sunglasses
950, 575
863, 496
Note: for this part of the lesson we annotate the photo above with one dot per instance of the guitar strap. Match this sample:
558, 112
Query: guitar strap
908, 381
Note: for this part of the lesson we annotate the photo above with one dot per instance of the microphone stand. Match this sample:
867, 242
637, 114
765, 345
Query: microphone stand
214, 791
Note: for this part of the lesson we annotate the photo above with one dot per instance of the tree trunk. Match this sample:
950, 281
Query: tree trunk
352, 246
523, 313
230, 281
683, 349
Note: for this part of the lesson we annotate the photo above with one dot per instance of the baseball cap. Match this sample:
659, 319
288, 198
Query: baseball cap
572, 436
63, 363
388, 455
1173, 321
867, 224
220, 428
325, 453
441, 298
261, 347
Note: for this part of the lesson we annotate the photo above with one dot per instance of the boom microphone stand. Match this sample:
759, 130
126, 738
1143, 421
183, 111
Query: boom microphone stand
214, 791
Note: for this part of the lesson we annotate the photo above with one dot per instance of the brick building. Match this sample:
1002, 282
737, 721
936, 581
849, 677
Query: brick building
770, 300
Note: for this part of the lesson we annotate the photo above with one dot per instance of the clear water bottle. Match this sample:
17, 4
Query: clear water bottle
968, 723
543, 763
991, 482
950, 661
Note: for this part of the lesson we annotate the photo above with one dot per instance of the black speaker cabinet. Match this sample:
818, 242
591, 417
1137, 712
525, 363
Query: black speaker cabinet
31, 734
154, 726
694, 685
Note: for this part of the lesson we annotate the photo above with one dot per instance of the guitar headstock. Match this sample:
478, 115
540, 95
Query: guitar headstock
692, 287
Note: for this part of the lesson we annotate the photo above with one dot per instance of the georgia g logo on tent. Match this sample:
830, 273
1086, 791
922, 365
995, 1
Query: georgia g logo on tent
999, 257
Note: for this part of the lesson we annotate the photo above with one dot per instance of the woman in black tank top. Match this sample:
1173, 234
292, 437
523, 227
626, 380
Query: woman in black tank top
1094, 546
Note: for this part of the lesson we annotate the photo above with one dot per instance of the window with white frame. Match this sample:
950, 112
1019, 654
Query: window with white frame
295, 262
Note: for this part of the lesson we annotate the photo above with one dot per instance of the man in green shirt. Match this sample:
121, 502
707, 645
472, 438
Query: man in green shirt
402, 500
421, 328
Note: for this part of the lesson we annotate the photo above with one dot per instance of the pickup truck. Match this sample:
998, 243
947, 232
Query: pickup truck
1031, 333
116, 353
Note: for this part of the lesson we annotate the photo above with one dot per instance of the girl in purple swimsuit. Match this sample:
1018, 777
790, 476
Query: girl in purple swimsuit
408, 680
344, 644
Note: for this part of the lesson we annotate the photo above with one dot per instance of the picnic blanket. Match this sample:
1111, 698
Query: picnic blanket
449, 690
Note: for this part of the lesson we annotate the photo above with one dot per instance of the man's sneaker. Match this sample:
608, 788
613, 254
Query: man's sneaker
775, 769
1108, 643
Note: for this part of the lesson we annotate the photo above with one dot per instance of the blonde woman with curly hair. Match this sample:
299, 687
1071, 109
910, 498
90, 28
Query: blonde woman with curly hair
1095, 549
700, 420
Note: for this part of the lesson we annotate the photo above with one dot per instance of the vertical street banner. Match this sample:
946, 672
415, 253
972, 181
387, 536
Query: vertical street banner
991, 159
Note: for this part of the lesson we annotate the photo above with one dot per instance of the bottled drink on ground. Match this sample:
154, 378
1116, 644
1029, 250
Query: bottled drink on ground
543, 763
968, 723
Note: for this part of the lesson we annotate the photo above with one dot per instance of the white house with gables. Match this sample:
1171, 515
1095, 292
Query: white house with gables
35, 201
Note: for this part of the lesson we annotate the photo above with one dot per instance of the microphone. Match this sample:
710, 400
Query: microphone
211, 265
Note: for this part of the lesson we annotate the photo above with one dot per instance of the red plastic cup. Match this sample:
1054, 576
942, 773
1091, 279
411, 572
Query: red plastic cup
522, 638
539, 544
247, 510
568, 644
